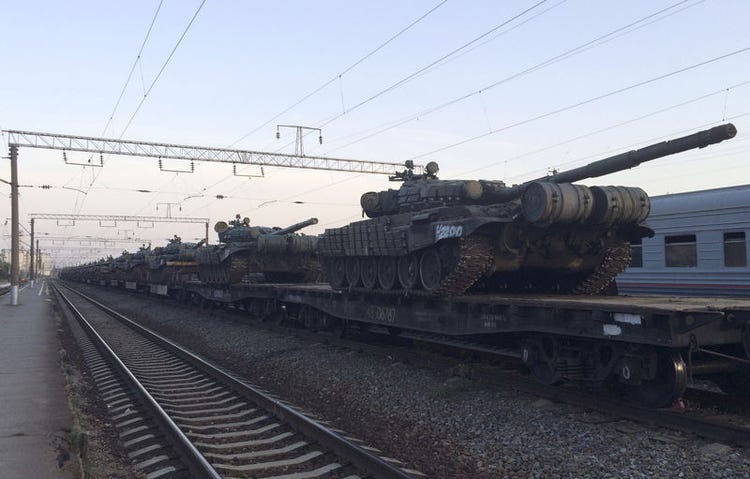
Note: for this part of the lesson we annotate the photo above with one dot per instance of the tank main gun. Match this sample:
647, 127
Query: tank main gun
633, 158
295, 227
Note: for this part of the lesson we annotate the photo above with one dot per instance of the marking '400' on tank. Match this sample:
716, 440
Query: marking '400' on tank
545, 235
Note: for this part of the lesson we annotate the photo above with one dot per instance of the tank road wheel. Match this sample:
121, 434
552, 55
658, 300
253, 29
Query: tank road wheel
337, 272
353, 271
369, 267
430, 270
387, 272
668, 384
408, 270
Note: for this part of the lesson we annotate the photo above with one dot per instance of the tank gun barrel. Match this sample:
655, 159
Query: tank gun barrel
623, 161
630, 159
296, 227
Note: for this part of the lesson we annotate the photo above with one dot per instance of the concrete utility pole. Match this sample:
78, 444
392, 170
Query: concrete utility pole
14, 230
38, 268
32, 268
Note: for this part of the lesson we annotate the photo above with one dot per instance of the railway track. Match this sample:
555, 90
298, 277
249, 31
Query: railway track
179, 416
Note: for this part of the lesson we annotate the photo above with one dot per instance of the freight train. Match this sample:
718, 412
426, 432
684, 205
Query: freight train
415, 267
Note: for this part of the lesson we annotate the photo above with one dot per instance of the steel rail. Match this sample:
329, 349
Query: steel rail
359, 456
197, 464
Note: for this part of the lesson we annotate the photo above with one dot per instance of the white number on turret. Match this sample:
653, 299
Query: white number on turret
448, 231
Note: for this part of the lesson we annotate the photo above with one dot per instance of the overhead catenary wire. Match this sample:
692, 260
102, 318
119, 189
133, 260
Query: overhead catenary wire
598, 41
432, 64
161, 70
700, 155
444, 58
342, 73
604, 129
630, 27
583, 102
132, 68
77, 207
156, 78
325, 84
422, 70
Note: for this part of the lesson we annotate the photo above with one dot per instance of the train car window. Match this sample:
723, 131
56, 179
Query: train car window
680, 251
636, 253
735, 252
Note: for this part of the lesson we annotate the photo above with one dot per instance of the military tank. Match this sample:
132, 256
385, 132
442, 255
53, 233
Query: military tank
545, 235
259, 254
163, 263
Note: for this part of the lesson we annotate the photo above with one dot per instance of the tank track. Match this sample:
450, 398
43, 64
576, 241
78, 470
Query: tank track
475, 258
616, 259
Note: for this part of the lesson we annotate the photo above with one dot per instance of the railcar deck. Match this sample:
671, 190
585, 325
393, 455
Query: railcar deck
676, 322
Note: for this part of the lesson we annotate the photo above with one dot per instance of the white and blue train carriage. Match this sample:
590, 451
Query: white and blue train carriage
700, 247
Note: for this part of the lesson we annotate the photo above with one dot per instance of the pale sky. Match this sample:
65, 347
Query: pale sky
639, 71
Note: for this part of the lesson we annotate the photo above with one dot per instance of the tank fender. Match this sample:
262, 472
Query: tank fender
636, 232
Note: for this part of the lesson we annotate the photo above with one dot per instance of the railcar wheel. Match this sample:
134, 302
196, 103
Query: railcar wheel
430, 270
369, 272
387, 272
337, 272
353, 271
408, 271
668, 384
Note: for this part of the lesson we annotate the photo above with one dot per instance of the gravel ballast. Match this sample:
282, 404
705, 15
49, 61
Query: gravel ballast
442, 425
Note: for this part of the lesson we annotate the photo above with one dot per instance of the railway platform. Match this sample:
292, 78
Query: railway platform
35, 421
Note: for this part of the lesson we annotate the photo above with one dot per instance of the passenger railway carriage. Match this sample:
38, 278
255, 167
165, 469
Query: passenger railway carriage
700, 247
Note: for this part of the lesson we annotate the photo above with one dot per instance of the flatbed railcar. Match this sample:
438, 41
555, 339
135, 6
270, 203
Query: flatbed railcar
700, 246
650, 344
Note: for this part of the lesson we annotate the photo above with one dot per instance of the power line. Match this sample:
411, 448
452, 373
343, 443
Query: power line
77, 207
453, 52
132, 68
447, 57
583, 102
161, 70
158, 75
608, 128
598, 41
633, 145
621, 31
344, 72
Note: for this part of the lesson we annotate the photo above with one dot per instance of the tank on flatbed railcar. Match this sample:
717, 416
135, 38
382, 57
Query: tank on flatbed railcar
546, 235
278, 254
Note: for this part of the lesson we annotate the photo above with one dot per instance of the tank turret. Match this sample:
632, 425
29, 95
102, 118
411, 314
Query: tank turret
547, 234
425, 191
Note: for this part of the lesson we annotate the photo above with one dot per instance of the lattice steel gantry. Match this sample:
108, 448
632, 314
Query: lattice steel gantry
54, 141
